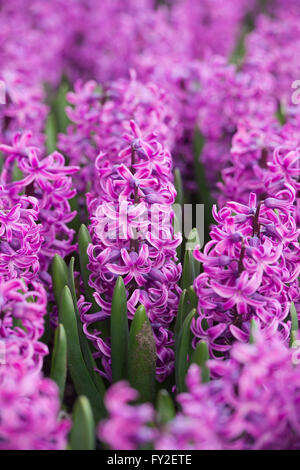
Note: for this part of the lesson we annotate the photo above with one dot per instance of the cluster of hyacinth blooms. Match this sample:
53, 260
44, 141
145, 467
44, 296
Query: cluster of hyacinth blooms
250, 269
35, 209
100, 114
132, 237
138, 97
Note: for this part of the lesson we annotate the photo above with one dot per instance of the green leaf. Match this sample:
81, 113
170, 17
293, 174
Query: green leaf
59, 107
59, 271
188, 271
193, 239
17, 174
59, 360
47, 327
178, 186
165, 407
200, 356
142, 356
238, 54
253, 330
84, 344
63, 276
281, 114
181, 358
181, 314
81, 378
294, 325
177, 227
75, 222
192, 298
191, 243
51, 132
119, 332
179, 200
82, 435
188, 301
84, 239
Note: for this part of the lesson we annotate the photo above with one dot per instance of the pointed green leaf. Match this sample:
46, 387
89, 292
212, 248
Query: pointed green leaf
51, 133
181, 358
192, 298
200, 356
177, 227
191, 243
294, 325
239, 51
75, 222
47, 327
193, 239
165, 407
142, 356
84, 239
253, 330
179, 200
281, 113
182, 312
59, 360
119, 332
187, 302
82, 435
84, 344
59, 273
17, 174
59, 107
188, 271
81, 378
178, 186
